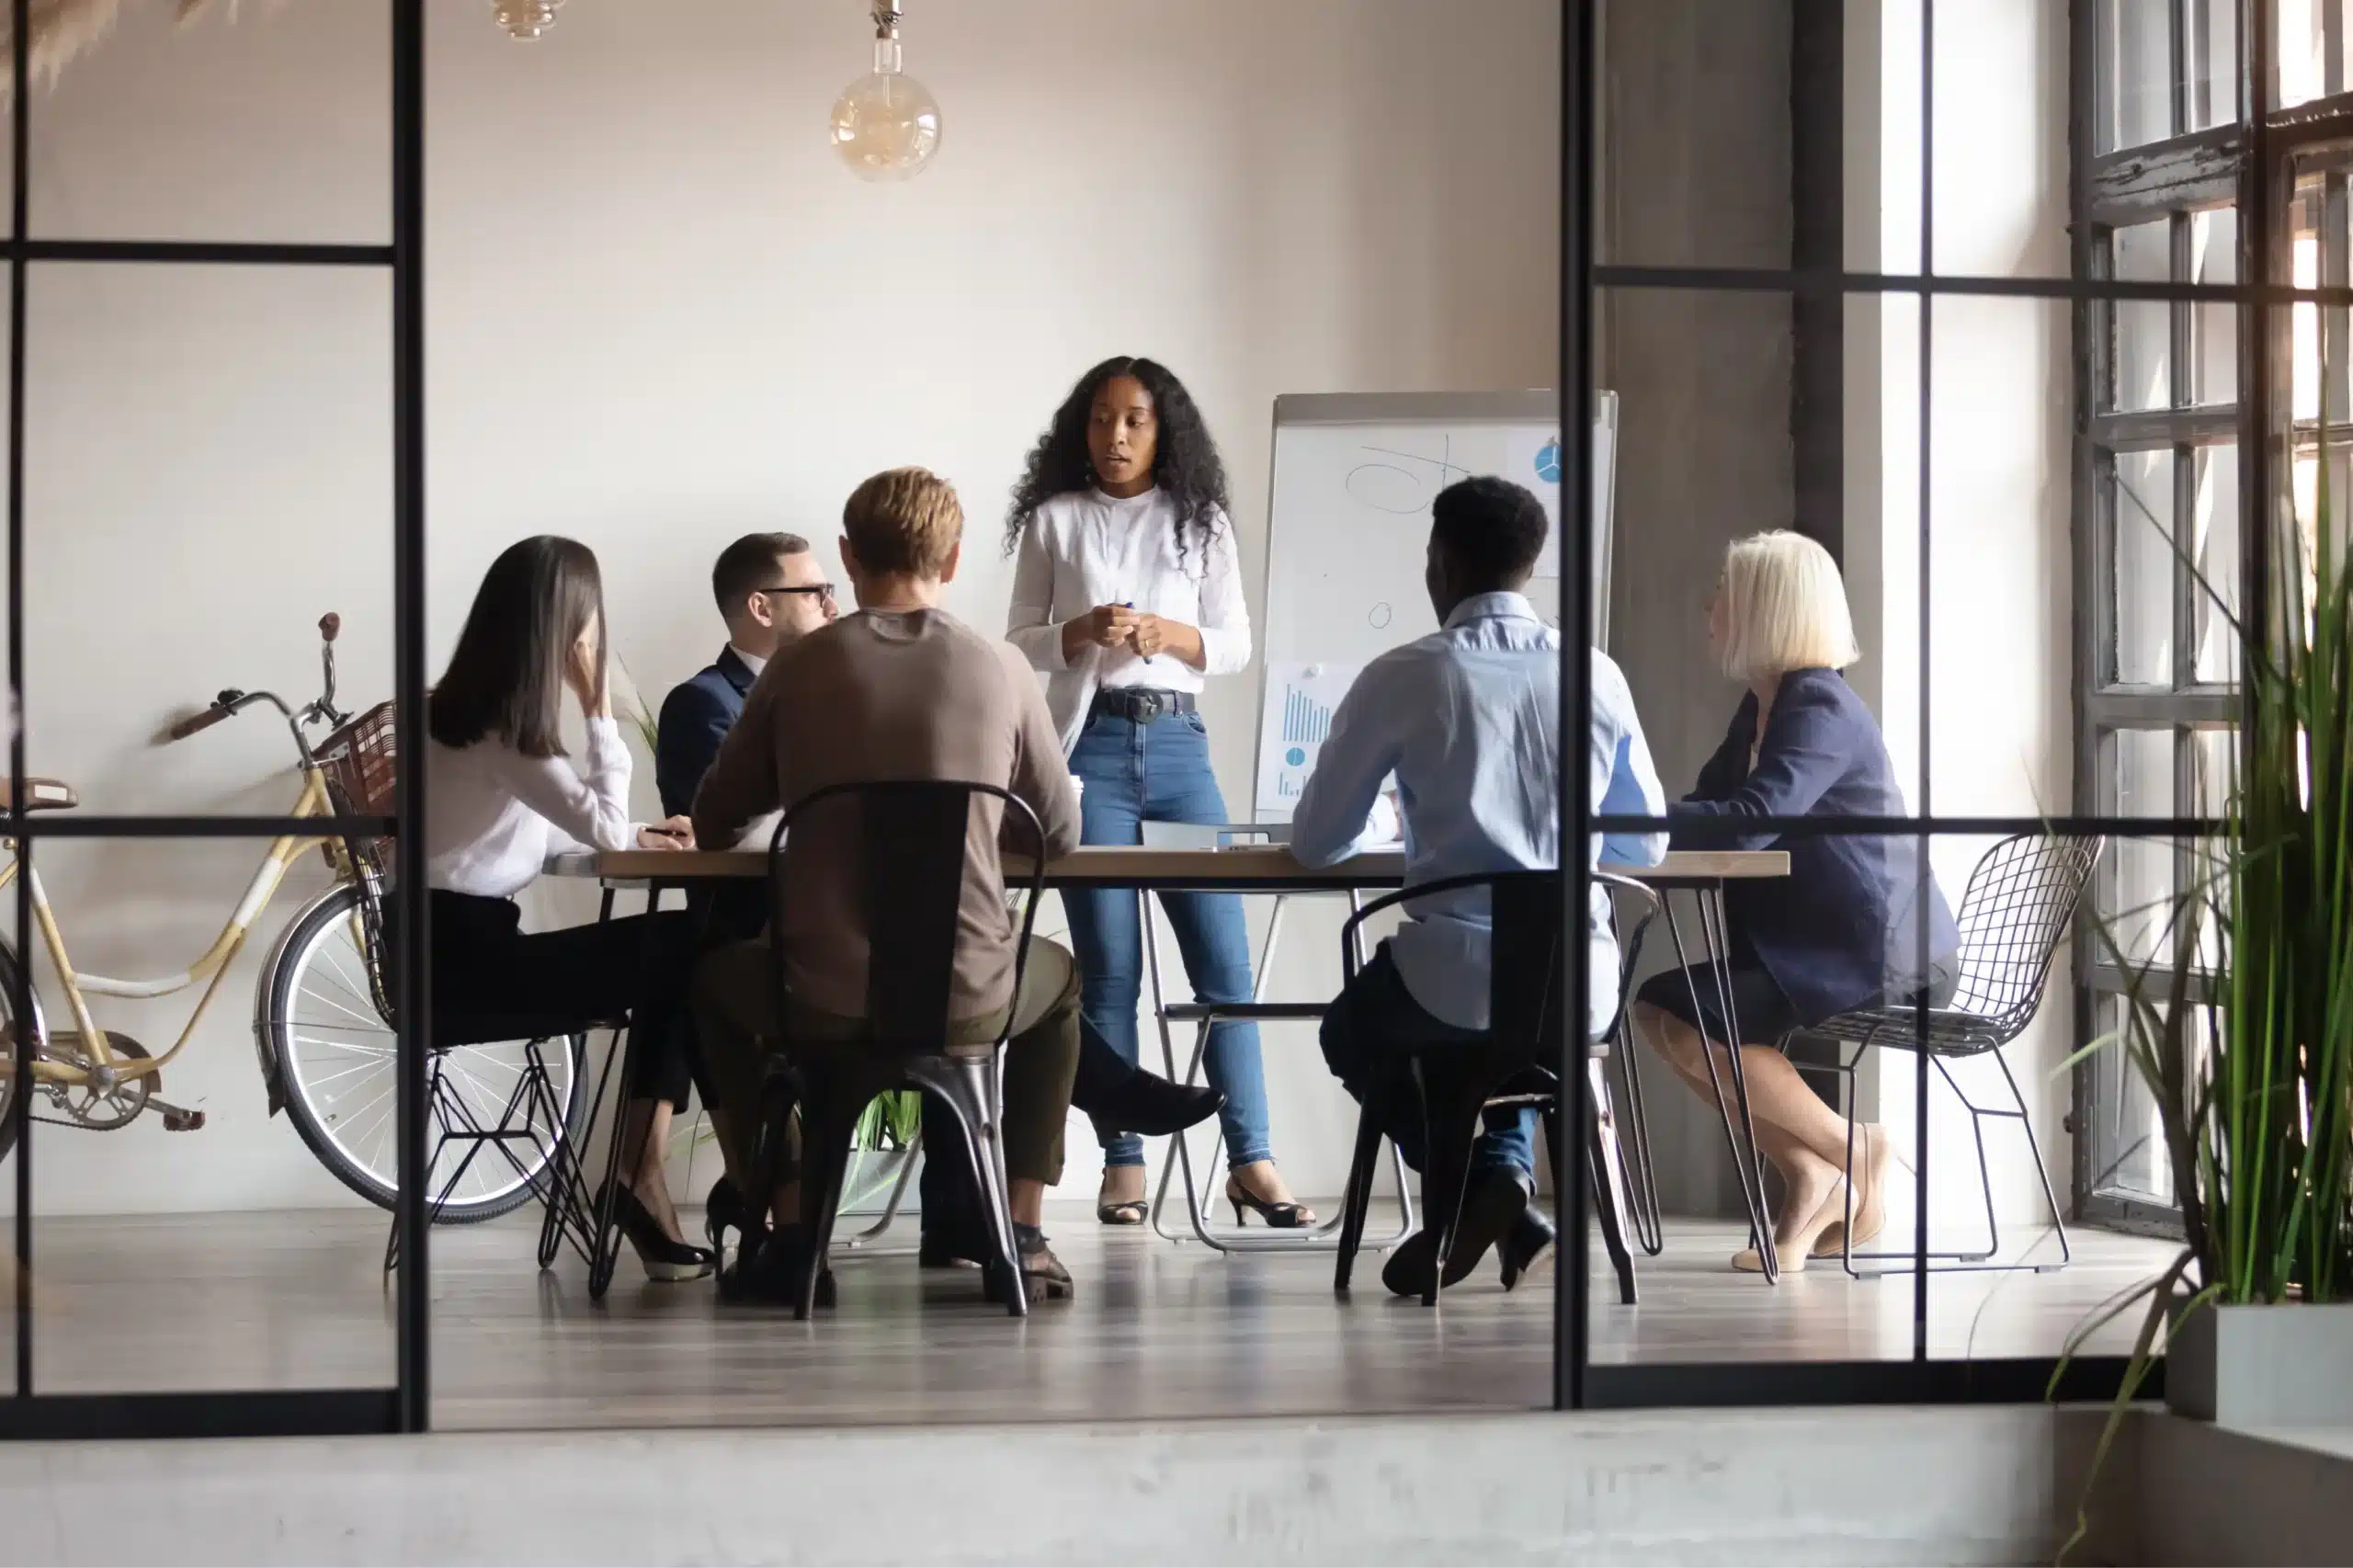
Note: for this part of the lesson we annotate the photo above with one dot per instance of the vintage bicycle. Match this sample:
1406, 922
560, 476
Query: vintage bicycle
321, 1013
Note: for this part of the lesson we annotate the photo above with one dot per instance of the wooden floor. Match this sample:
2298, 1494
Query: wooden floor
295, 1300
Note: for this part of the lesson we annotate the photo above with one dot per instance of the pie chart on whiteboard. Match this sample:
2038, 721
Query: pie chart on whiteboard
1548, 462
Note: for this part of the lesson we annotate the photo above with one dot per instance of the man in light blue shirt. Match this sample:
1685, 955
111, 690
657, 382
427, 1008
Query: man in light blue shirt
1467, 720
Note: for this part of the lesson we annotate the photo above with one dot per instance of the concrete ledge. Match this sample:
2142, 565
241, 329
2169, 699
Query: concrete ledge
1799, 1486
2211, 1494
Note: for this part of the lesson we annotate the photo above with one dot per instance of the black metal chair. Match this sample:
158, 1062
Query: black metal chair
913, 840
1512, 1064
2018, 907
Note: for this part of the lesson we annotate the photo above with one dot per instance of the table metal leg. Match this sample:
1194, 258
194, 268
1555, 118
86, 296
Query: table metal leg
1711, 904
1744, 1166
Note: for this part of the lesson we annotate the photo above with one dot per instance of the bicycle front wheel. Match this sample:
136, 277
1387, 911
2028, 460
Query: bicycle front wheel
338, 1060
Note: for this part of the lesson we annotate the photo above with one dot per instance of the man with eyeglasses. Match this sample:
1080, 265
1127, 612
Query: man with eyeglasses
770, 593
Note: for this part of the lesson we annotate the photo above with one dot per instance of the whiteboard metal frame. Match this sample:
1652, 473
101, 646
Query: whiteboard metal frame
1533, 406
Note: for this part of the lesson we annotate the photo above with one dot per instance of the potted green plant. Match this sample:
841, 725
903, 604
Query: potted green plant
2242, 1028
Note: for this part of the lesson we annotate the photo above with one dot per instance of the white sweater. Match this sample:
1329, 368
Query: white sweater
492, 816
1083, 549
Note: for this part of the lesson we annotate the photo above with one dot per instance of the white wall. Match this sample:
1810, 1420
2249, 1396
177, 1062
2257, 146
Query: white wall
660, 316
1997, 730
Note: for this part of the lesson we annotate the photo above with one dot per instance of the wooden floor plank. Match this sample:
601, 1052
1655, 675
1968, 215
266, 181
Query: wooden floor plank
295, 1300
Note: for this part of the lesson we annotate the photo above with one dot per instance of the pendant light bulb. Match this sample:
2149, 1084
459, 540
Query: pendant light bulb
524, 19
886, 124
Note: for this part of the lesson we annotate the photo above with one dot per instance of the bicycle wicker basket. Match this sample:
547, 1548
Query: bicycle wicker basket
362, 762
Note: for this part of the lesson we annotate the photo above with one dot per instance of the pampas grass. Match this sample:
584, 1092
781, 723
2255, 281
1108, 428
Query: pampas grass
63, 29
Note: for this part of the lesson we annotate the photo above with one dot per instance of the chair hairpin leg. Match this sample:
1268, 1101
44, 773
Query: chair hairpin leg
1179, 1157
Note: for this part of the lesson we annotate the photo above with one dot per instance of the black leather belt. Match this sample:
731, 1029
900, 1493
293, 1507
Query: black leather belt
1141, 704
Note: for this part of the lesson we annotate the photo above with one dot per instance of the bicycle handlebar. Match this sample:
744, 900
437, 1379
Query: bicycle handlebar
203, 721
228, 704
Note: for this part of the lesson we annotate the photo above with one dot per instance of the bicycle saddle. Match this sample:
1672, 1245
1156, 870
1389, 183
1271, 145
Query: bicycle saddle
43, 795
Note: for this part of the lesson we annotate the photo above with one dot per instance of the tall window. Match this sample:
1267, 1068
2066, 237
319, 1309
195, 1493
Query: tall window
2174, 393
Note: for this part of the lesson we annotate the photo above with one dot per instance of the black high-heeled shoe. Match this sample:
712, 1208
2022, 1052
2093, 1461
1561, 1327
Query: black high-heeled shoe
725, 1211
772, 1273
1278, 1216
668, 1262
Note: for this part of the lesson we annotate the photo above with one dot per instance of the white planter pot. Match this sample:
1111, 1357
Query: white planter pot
2262, 1366
867, 1184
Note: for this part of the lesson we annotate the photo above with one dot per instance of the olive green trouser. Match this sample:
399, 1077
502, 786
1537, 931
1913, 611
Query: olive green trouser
734, 1007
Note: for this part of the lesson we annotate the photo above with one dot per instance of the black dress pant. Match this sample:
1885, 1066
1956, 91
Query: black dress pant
487, 971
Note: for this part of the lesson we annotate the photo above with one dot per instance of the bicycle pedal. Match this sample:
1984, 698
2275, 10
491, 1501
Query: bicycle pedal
178, 1121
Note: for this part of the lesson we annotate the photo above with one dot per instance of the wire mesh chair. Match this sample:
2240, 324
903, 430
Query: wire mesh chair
2018, 907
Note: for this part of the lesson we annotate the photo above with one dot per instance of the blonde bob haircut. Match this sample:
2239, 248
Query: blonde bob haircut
1785, 607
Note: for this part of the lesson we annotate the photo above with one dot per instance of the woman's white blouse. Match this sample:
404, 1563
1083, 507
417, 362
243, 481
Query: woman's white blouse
1083, 549
492, 816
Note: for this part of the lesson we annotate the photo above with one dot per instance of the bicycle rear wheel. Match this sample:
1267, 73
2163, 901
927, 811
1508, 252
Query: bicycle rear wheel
337, 1059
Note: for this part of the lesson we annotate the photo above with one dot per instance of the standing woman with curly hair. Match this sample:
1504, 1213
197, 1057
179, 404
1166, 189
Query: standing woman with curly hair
1127, 593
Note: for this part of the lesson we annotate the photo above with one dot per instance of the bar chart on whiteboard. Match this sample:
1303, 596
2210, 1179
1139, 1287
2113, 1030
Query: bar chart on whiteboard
1292, 726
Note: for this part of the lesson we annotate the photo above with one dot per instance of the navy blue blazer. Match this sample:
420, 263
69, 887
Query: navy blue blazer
1842, 930
696, 717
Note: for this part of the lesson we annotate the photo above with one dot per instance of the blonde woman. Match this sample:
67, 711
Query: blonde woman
1842, 930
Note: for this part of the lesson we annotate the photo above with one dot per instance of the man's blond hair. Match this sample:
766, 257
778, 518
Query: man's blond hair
904, 521
1786, 607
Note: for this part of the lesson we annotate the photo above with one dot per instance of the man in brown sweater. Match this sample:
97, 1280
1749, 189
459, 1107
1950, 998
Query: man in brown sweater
900, 690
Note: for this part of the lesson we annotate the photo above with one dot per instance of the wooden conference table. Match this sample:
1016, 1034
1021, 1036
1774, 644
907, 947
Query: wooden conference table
1270, 870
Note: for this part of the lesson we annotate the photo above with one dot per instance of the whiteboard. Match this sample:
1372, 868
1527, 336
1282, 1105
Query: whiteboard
1347, 524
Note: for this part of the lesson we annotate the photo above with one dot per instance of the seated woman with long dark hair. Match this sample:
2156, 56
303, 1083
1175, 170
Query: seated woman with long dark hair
1841, 931
501, 796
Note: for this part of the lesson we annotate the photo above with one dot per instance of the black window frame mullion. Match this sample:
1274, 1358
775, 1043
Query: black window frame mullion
25, 1412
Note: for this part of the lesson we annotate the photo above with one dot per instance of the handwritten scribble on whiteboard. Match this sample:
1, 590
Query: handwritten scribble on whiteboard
1404, 484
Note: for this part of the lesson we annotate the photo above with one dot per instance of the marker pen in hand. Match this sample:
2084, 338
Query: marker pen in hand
1130, 604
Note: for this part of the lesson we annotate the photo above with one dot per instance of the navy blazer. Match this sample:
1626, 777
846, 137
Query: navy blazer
696, 717
1842, 929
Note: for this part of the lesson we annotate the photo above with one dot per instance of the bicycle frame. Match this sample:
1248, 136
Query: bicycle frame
210, 968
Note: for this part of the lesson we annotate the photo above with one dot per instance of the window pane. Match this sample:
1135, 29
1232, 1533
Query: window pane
2143, 653
2215, 258
2141, 875
2144, 328
2214, 70
2128, 1138
2137, 72
2312, 49
2215, 544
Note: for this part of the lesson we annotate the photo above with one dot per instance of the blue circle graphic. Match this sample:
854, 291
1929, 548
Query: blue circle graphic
1548, 462
1296, 756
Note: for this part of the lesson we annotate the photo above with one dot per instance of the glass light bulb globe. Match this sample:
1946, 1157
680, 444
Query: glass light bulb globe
524, 19
886, 124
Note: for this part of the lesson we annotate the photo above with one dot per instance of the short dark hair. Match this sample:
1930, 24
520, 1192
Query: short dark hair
1491, 529
505, 678
747, 564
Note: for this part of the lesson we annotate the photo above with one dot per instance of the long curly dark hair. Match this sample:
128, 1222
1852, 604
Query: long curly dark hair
1184, 464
